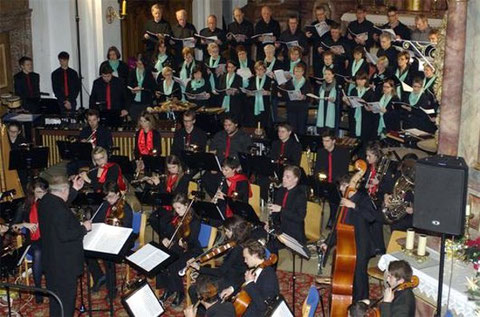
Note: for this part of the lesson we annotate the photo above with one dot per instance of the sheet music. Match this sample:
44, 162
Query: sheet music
315, 96
228, 90
376, 108
200, 96
406, 88
105, 238
238, 37
251, 92
293, 244
416, 132
245, 73
355, 102
389, 31
280, 76
373, 59
282, 310
295, 95
198, 54
208, 38
148, 257
290, 44
24, 117
428, 111
181, 82
338, 49
322, 28
220, 68
144, 303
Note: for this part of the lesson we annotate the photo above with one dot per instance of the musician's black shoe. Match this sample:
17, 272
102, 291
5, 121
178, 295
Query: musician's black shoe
99, 283
177, 301
166, 295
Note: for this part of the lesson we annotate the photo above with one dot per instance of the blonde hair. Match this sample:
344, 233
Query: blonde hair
269, 47
384, 60
212, 46
187, 50
99, 150
166, 69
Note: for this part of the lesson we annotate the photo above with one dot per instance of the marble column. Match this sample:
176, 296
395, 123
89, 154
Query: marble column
452, 87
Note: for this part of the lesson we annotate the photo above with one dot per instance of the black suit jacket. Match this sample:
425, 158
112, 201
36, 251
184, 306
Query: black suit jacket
104, 136
29, 99
58, 85
340, 161
122, 70
403, 305
291, 218
197, 136
239, 143
292, 151
220, 309
266, 287
62, 238
118, 95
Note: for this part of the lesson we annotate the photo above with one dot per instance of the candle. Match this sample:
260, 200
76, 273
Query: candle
258, 125
410, 239
422, 245
124, 7
467, 212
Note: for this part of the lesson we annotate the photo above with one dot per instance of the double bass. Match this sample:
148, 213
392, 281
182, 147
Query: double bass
9, 180
343, 267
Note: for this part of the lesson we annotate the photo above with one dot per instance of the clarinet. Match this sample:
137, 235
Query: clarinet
271, 192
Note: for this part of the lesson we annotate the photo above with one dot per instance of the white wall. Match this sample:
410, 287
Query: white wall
202, 9
54, 30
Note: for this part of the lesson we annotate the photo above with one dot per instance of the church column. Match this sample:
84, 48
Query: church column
452, 86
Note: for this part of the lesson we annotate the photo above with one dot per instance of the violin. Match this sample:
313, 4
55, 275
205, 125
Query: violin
182, 230
115, 218
210, 254
374, 310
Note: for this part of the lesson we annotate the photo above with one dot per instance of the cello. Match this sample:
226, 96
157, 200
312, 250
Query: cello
343, 267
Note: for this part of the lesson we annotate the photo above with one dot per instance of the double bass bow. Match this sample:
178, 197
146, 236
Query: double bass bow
343, 267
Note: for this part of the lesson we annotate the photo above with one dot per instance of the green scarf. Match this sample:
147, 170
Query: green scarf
329, 121
259, 106
270, 67
355, 67
383, 103
160, 60
298, 84
244, 64
140, 78
196, 84
358, 112
226, 99
402, 79
213, 63
184, 75
293, 64
414, 98
167, 90
427, 84
114, 64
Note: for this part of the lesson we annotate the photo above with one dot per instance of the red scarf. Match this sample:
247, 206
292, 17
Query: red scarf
145, 143
171, 181
233, 186
33, 218
103, 177
372, 189
65, 83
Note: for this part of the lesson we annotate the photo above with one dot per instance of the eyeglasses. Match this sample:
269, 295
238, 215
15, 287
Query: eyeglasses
187, 120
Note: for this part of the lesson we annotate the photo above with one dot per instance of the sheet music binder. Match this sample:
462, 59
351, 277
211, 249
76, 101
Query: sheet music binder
152, 251
142, 302
278, 307
93, 248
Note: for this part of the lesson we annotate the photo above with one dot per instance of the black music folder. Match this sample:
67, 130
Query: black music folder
244, 210
151, 258
142, 302
207, 210
75, 150
107, 242
25, 159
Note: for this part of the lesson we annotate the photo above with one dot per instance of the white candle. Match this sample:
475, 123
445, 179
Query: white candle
422, 245
410, 239
467, 212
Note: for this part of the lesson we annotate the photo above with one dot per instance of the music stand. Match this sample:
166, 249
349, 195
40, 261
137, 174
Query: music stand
154, 163
244, 210
142, 301
312, 142
110, 118
296, 248
124, 163
208, 211
278, 307
203, 161
29, 159
151, 259
260, 165
49, 106
81, 151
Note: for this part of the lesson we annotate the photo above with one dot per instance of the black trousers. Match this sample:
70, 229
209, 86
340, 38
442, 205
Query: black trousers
110, 274
65, 287
360, 280
298, 120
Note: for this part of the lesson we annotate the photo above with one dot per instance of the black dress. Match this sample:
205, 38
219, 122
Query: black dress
235, 105
265, 116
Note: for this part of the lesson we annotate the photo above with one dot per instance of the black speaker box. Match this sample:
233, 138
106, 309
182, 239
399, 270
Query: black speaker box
440, 194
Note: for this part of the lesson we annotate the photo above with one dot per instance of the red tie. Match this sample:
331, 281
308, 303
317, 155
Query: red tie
282, 149
65, 82
108, 97
284, 202
29, 85
329, 167
227, 148
189, 137
373, 188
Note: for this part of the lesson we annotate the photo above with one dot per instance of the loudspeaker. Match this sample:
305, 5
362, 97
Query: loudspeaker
440, 194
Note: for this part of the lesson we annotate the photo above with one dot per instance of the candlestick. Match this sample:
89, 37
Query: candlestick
410, 239
422, 245
467, 211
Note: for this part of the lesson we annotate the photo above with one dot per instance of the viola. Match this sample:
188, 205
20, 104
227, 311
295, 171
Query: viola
117, 214
374, 310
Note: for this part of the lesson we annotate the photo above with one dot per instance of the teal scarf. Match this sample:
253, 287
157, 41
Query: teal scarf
184, 75
355, 67
160, 60
270, 67
327, 67
414, 98
298, 84
358, 112
140, 78
383, 103
213, 63
293, 64
402, 78
329, 121
428, 83
244, 64
114, 64
226, 99
167, 89
259, 106
196, 84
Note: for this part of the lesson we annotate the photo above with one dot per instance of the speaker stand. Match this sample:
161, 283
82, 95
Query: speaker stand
440, 276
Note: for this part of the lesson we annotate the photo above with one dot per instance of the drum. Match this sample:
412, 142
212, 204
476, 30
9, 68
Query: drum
14, 102
4, 98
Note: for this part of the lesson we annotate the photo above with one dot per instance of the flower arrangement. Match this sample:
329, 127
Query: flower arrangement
472, 253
